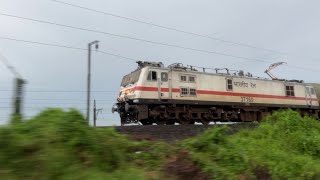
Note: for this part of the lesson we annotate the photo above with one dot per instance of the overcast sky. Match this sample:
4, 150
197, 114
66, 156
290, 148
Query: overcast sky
288, 26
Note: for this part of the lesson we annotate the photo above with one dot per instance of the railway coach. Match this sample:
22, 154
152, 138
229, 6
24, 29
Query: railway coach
179, 94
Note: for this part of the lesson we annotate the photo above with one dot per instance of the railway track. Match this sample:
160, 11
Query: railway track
172, 133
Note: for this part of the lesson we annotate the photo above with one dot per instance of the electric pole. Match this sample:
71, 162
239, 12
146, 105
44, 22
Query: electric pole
95, 113
96, 43
18, 90
17, 101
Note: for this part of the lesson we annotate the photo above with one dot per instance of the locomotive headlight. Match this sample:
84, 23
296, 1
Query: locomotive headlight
136, 100
127, 91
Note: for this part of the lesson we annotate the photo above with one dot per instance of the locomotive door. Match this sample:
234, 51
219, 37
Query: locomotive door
308, 96
164, 85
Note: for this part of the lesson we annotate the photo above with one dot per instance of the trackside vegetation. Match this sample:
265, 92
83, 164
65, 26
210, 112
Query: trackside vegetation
58, 144
283, 146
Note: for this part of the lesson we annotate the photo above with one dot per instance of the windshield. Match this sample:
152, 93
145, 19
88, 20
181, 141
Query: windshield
130, 78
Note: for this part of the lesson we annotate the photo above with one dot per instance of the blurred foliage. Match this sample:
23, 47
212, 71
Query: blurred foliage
284, 146
15, 118
60, 145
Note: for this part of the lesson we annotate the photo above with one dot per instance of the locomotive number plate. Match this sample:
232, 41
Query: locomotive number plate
247, 99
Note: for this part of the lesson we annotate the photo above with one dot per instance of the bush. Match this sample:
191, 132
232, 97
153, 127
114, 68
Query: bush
284, 146
60, 145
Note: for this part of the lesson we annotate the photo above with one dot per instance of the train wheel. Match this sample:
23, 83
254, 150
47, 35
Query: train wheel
123, 120
146, 122
170, 122
186, 122
161, 121
184, 118
204, 122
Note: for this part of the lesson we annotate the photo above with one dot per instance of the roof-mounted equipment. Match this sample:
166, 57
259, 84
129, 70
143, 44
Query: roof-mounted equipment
143, 64
271, 67
178, 66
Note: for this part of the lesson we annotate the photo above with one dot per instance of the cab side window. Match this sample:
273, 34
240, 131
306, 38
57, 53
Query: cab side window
152, 76
313, 91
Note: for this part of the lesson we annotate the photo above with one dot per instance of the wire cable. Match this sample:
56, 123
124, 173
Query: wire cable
133, 38
178, 30
60, 103
168, 28
120, 56
62, 91
67, 47
42, 99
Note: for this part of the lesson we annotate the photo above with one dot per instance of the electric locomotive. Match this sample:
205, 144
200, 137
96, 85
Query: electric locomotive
181, 94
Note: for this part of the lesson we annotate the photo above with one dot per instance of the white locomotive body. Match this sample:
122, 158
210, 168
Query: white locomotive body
177, 94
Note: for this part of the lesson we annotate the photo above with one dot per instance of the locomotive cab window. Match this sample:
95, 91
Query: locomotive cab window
289, 90
308, 90
131, 78
152, 76
164, 77
229, 85
312, 91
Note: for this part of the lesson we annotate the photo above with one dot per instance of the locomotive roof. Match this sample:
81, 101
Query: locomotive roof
195, 71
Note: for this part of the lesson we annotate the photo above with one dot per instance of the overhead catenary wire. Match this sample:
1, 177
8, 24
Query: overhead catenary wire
168, 28
62, 91
60, 103
67, 47
178, 30
132, 38
53, 99
107, 53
